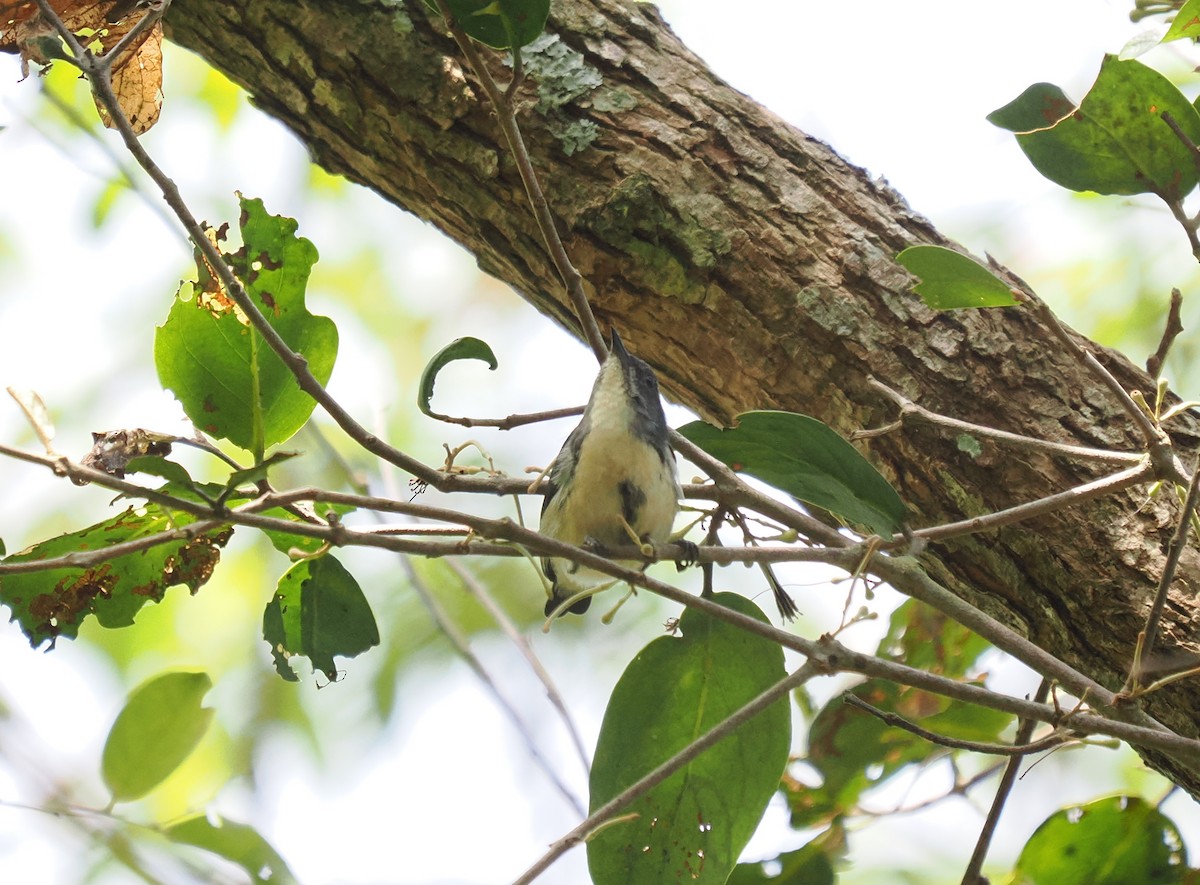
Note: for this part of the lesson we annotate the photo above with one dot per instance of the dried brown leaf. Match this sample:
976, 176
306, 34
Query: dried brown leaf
137, 81
100, 25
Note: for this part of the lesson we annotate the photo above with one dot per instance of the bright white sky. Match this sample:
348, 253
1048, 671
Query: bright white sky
900, 88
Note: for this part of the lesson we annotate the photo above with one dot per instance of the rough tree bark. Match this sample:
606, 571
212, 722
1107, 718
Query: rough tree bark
750, 264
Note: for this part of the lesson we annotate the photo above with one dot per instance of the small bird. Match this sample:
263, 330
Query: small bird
614, 481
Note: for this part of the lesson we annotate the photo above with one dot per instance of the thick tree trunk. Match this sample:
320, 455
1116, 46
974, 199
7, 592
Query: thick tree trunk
750, 264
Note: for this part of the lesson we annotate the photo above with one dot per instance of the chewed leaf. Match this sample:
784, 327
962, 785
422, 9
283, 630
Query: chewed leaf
230, 383
693, 826
318, 611
459, 349
950, 279
55, 602
805, 458
154, 733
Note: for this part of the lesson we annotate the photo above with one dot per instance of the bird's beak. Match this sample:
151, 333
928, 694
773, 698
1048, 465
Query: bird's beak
617, 348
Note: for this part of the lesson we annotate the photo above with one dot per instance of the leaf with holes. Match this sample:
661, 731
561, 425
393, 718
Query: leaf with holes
692, 826
55, 602
318, 611
230, 383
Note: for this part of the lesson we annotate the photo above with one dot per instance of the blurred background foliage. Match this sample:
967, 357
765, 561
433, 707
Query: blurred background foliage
406, 770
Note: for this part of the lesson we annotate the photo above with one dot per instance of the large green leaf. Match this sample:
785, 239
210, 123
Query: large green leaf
692, 826
318, 611
1112, 841
238, 843
157, 729
807, 459
950, 279
1115, 141
53, 603
501, 24
230, 383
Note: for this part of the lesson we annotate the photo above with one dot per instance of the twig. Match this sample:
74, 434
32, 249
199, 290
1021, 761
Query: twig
784, 603
1106, 485
973, 873
476, 588
1128, 724
911, 410
512, 420
718, 732
1184, 138
1171, 331
1175, 205
1149, 633
89, 558
1156, 441
101, 83
1188, 224
1021, 748
462, 646
507, 118
733, 493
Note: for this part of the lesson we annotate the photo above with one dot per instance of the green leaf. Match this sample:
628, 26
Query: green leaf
501, 24
1115, 141
318, 611
156, 465
156, 731
693, 825
1112, 841
950, 279
230, 383
459, 349
805, 458
1186, 22
53, 603
238, 843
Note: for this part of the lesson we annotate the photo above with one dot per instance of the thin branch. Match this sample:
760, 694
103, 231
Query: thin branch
101, 83
1149, 633
1022, 747
973, 873
462, 646
476, 588
512, 420
910, 410
572, 279
1129, 724
1088, 491
89, 558
1188, 224
1158, 444
606, 812
1171, 331
733, 493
